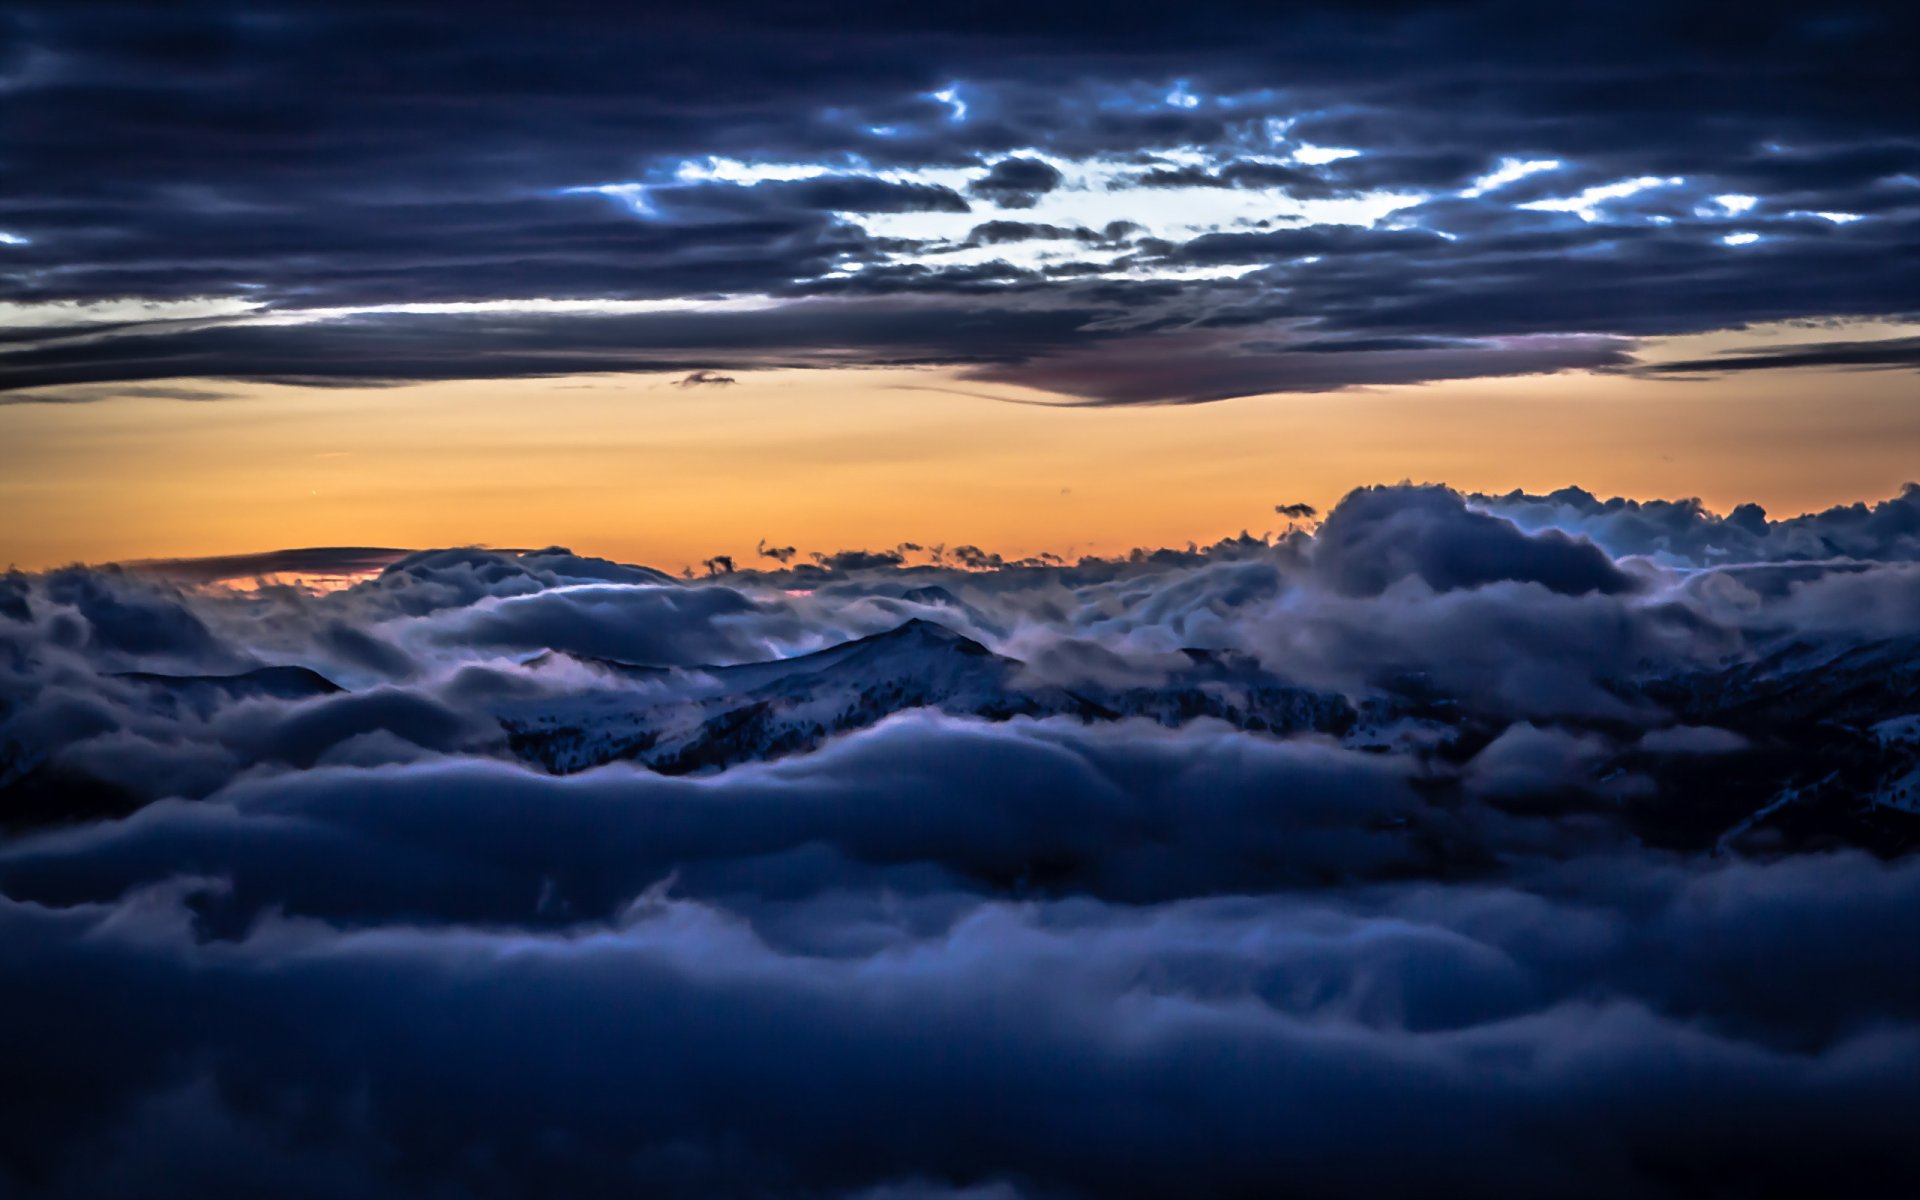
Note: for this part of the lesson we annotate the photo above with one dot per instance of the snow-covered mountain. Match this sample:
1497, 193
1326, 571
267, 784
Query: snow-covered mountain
1810, 743
681, 721
1832, 754
1807, 743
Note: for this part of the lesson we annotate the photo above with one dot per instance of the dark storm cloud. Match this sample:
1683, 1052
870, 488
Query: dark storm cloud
1293, 181
1518, 281
354, 154
416, 347
1166, 873
1197, 366
1017, 182
1288, 244
1021, 231
871, 196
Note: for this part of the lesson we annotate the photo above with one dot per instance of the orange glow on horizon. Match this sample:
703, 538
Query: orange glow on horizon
633, 468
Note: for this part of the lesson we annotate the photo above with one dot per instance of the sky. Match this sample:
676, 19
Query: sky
1004, 600
662, 285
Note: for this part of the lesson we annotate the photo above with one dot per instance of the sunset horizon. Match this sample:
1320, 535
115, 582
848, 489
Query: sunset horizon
832, 460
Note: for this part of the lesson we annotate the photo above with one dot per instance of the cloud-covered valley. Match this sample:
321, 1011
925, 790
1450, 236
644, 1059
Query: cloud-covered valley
1449, 845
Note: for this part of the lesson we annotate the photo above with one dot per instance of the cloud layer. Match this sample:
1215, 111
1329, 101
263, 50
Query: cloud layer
1470, 845
1238, 200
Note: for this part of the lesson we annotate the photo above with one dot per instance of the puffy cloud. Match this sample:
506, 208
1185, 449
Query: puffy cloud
13, 597
1523, 1039
1686, 533
1380, 535
1017, 182
1527, 763
126, 621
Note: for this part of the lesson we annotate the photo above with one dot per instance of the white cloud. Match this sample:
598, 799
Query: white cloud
732, 170
53, 314
1509, 170
634, 195
1096, 192
1586, 205
607, 307
950, 96
1314, 156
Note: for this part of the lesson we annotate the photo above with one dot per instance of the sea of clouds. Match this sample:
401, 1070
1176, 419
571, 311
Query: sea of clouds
327, 934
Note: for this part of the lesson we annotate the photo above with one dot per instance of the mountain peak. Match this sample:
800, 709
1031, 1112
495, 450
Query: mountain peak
282, 682
920, 631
